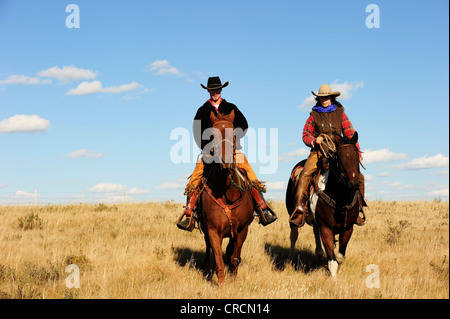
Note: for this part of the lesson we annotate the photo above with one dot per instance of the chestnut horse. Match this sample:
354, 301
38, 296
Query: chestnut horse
226, 204
334, 203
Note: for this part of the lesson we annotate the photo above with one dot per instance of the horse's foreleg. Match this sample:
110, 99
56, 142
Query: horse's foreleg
236, 256
230, 249
208, 250
216, 244
319, 250
328, 242
343, 241
293, 237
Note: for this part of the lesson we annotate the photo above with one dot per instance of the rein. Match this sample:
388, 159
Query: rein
327, 142
222, 141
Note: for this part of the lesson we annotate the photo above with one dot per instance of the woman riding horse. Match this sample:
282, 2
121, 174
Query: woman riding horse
202, 122
327, 117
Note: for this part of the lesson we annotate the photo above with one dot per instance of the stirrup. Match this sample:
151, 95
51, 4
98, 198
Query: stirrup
300, 219
266, 216
187, 224
361, 221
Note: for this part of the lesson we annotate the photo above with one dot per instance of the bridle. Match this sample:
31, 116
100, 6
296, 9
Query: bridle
341, 177
224, 140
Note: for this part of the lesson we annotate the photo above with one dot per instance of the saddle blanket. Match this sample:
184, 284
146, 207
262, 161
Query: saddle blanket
321, 182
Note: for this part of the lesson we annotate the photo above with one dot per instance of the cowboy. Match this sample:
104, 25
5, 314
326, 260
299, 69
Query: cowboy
327, 117
202, 121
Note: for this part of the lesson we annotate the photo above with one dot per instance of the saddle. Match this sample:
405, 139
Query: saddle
316, 184
295, 176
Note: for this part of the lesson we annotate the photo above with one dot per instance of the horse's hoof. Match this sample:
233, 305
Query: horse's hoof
333, 267
340, 258
319, 252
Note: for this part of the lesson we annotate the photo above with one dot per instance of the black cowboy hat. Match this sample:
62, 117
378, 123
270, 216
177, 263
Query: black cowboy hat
214, 83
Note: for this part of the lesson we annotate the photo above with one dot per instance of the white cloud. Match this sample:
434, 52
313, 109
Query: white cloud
67, 73
117, 190
137, 94
395, 184
138, 191
180, 183
383, 155
443, 192
87, 87
276, 186
346, 89
108, 188
24, 123
425, 162
163, 67
83, 153
23, 195
23, 79
298, 154
122, 88
172, 185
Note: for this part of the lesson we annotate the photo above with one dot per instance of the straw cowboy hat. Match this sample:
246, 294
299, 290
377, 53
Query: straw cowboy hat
214, 84
325, 90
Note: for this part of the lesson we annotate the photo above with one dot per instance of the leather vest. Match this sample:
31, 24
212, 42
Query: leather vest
327, 123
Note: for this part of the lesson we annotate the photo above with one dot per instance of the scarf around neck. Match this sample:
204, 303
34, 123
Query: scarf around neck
322, 109
215, 106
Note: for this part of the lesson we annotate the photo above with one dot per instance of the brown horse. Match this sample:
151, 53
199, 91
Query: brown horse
334, 203
226, 204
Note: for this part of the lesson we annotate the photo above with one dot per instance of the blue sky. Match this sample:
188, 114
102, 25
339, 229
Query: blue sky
93, 108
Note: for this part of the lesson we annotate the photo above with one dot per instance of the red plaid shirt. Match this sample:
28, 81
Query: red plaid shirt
310, 129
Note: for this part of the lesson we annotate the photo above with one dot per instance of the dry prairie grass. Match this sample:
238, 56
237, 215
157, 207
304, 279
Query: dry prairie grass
136, 251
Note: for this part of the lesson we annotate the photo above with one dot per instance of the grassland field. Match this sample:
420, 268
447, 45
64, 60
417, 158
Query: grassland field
134, 250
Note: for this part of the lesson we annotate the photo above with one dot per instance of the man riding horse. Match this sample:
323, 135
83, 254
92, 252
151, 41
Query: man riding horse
218, 105
327, 117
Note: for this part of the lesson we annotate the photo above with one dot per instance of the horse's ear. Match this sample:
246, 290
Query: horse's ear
336, 138
354, 138
213, 118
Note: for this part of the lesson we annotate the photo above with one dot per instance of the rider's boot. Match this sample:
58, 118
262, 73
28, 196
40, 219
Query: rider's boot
266, 215
189, 222
298, 217
360, 221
